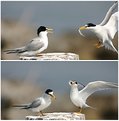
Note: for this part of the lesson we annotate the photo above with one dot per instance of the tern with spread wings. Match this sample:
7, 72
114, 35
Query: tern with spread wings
79, 98
106, 30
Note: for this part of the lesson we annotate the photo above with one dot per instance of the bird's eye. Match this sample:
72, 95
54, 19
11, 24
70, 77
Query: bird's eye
71, 82
76, 83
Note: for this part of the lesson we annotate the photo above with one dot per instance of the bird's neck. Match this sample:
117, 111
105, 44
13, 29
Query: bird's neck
74, 89
47, 97
43, 35
96, 29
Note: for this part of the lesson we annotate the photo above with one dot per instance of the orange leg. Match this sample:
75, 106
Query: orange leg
38, 54
77, 113
40, 113
98, 45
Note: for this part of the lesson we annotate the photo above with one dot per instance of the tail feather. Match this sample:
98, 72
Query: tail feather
114, 49
10, 51
109, 45
24, 106
91, 107
16, 50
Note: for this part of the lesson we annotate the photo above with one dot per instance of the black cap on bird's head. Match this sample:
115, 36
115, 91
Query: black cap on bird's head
40, 29
43, 29
87, 26
50, 92
90, 25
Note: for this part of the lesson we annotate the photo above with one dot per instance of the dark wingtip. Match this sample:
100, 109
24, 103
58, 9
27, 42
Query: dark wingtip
116, 2
81, 84
5, 51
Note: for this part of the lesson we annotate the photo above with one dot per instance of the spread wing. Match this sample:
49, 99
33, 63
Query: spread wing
109, 13
112, 25
95, 86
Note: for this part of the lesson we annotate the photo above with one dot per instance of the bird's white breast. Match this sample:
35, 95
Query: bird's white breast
43, 38
101, 32
76, 100
44, 104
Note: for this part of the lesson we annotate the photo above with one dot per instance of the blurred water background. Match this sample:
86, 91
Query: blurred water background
24, 81
20, 20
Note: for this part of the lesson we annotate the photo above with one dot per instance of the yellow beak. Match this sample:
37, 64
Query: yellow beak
53, 96
49, 30
82, 28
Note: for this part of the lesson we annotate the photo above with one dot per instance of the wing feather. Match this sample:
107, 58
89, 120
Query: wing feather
95, 86
35, 103
109, 45
112, 25
34, 45
109, 13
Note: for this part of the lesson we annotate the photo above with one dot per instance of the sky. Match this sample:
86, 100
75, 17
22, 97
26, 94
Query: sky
59, 15
56, 75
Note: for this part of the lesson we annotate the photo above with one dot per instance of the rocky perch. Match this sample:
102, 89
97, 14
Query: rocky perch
58, 116
52, 56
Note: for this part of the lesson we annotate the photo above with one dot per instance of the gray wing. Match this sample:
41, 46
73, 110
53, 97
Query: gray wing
95, 86
35, 103
34, 45
109, 13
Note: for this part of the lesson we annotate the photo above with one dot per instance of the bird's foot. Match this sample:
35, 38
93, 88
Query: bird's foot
43, 115
77, 113
38, 54
98, 45
40, 114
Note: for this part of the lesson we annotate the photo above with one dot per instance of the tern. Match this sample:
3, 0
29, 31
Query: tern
106, 30
40, 103
35, 46
79, 98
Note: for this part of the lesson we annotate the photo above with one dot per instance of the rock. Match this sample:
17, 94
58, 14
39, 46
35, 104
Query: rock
58, 116
52, 56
